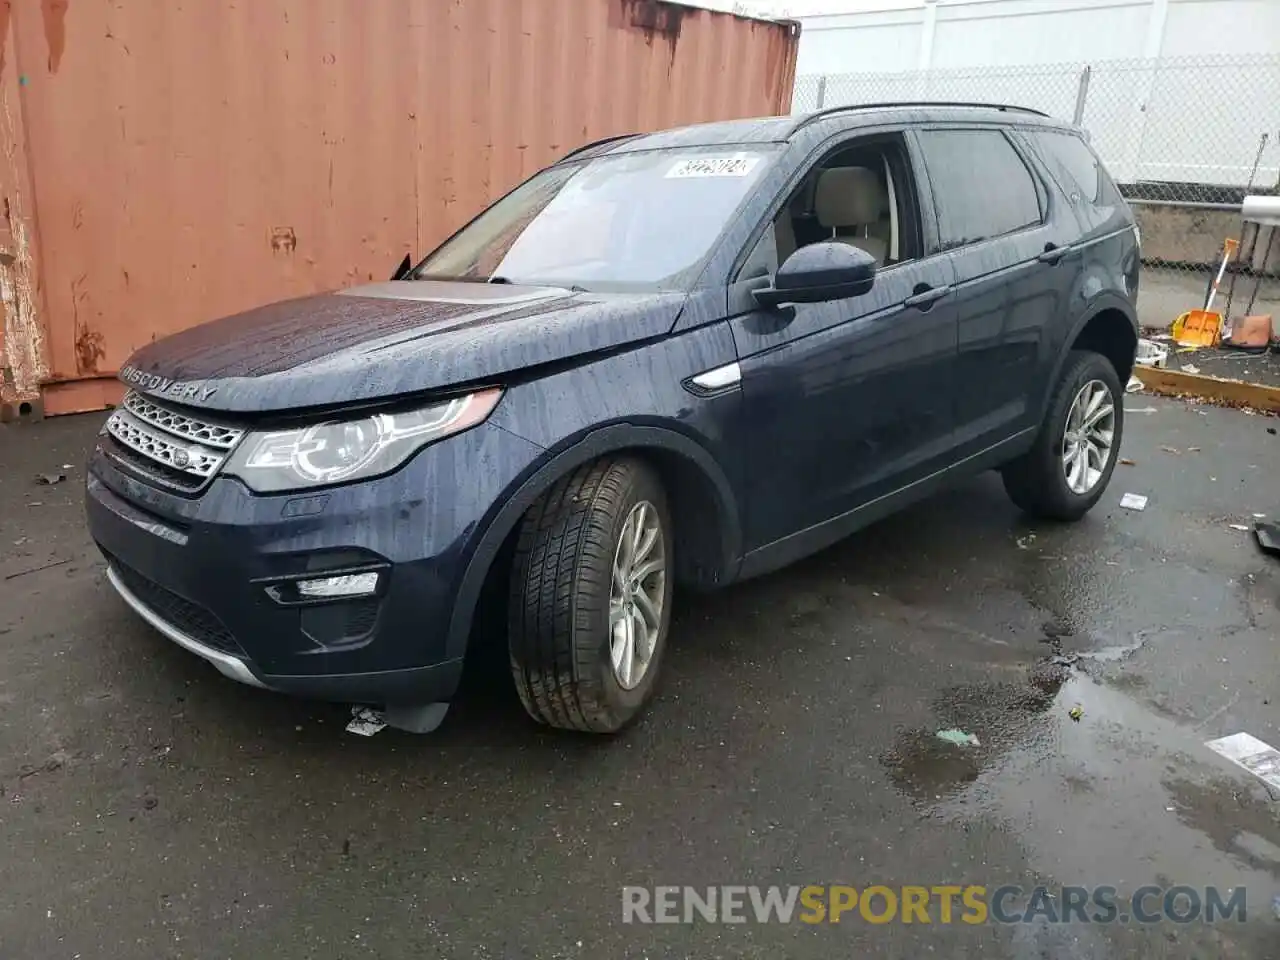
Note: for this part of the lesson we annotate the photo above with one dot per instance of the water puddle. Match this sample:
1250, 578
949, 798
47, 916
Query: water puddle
1121, 795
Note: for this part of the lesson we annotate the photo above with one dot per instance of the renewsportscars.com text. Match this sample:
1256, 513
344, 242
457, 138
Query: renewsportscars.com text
942, 904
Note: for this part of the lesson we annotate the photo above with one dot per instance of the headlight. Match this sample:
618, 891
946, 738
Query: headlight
341, 450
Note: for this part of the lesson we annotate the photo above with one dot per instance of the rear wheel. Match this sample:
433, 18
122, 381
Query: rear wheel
591, 597
1067, 470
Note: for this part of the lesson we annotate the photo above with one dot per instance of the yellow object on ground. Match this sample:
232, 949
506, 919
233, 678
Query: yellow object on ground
1197, 328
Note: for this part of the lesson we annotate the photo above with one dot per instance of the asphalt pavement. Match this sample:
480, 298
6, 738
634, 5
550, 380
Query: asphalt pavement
150, 808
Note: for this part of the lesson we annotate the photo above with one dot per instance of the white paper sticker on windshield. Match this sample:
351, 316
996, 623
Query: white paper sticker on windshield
736, 166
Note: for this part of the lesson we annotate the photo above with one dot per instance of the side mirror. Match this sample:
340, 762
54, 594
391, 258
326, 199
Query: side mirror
820, 272
403, 270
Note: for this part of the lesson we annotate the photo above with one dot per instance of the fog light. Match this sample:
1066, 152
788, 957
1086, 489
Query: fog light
348, 585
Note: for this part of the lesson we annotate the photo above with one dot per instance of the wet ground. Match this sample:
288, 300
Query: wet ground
150, 808
1226, 364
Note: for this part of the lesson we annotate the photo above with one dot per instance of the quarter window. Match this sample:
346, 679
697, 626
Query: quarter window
981, 186
1072, 163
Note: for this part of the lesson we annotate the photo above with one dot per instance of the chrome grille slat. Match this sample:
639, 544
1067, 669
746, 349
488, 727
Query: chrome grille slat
189, 428
183, 452
151, 443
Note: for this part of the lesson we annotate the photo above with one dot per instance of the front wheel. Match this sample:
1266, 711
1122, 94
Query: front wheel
590, 602
1068, 468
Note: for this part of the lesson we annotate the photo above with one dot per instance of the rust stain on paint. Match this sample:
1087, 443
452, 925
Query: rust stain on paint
54, 13
4, 29
22, 338
90, 344
656, 17
283, 240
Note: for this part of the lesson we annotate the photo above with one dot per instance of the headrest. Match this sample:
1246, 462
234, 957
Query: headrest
849, 197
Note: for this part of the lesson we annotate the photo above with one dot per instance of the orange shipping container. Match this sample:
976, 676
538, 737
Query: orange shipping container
162, 164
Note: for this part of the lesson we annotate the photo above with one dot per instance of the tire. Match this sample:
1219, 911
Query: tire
559, 622
1037, 482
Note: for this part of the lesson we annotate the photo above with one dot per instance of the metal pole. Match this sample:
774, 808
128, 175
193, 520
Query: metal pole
1082, 95
822, 91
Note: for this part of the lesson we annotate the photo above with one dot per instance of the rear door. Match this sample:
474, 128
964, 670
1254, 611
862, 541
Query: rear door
1012, 239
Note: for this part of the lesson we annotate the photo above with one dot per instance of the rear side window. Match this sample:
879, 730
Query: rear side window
981, 186
1074, 165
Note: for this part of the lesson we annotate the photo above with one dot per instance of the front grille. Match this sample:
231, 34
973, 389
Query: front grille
150, 470
209, 434
191, 618
167, 447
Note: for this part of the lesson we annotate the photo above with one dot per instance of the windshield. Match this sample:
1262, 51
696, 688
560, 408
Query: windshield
636, 221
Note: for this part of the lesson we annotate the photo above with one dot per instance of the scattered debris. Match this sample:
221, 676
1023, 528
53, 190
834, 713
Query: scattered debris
1075, 713
1193, 449
1064, 659
1190, 368
68, 466
1259, 516
1238, 526
1260, 759
958, 737
1133, 501
1133, 386
21, 540
1271, 430
1129, 410
49, 479
1151, 354
1126, 462
43, 566
366, 721
1025, 542
1174, 450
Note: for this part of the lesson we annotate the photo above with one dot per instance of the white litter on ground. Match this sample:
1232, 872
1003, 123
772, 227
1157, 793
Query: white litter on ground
1237, 526
1139, 409
1151, 354
1260, 759
1133, 501
365, 721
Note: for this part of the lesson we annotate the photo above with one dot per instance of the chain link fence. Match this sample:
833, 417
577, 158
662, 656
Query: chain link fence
1183, 137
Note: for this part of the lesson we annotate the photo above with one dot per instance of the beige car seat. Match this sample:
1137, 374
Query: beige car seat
851, 203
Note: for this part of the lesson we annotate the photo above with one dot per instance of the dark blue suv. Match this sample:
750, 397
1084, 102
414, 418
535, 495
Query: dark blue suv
686, 357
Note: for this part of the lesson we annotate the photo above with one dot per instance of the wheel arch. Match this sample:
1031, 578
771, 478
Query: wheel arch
1110, 327
708, 530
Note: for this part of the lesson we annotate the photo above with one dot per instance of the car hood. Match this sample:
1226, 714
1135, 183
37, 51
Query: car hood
388, 339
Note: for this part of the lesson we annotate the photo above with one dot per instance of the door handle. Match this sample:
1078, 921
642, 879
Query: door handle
1052, 255
925, 298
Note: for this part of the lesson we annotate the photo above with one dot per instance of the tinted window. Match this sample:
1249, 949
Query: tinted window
632, 221
1072, 163
981, 187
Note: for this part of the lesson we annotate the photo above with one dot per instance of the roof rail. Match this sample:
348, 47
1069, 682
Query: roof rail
830, 111
597, 143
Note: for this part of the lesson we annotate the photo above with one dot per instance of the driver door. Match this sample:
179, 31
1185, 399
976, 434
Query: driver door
852, 399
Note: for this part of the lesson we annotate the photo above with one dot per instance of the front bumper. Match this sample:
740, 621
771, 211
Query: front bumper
207, 571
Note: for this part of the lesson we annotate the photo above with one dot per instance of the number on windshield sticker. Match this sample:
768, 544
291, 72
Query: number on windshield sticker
738, 166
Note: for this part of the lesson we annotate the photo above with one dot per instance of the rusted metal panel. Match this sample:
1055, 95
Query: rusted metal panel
22, 341
189, 160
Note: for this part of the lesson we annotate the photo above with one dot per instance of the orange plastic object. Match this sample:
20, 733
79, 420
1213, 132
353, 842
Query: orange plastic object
1197, 328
